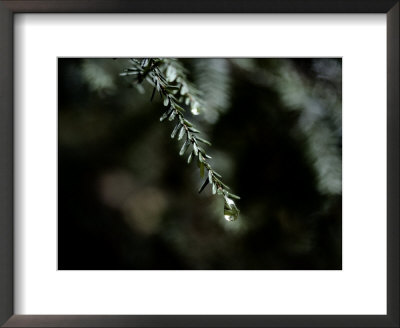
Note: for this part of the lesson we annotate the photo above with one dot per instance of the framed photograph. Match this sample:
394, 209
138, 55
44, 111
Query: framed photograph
207, 164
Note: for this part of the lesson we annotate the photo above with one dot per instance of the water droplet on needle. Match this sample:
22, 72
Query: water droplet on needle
229, 217
195, 111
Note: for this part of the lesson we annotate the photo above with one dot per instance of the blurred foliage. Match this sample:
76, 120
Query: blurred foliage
126, 200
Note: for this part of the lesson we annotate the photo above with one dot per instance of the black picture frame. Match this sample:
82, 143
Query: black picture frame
11, 7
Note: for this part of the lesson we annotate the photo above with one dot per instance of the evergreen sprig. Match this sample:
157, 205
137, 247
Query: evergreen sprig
168, 78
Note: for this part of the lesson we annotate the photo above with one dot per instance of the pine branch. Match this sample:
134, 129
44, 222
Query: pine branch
176, 92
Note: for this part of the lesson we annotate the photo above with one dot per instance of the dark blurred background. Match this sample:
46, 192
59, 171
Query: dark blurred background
128, 201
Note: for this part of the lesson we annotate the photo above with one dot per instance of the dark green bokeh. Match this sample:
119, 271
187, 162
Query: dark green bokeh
128, 201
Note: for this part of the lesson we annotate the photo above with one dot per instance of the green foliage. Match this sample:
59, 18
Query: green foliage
168, 78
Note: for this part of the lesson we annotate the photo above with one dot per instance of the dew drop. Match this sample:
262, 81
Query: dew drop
231, 212
229, 217
195, 111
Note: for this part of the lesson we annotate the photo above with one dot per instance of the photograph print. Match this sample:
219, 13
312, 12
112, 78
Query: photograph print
199, 164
